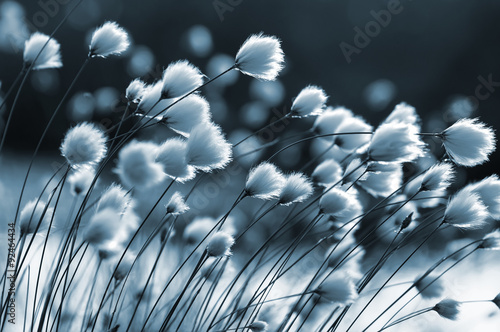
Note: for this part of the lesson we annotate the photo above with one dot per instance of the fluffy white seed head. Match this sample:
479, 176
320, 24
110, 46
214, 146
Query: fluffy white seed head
81, 180
339, 289
180, 78
265, 181
261, 57
172, 156
50, 57
258, 326
310, 101
328, 172
297, 189
465, 210
109, 39
491, 241
198, 229
396, 142
334, 202
488, 190
207, 149
84, 145
137, 166
353, 141
102, 227
31, 215
116, 198
220, 245
448, 308
430, 286
176, 205
468, 142
382, 179
151, 102
355, 171
183, 116
438, 177
328, 121
426, 199
404, 113
135, 91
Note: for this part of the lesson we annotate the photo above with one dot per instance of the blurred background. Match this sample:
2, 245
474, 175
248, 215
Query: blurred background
439, 56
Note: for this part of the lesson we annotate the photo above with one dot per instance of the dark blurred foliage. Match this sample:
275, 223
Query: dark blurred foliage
431, 51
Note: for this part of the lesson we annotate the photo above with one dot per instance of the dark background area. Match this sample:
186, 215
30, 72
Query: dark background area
431, 51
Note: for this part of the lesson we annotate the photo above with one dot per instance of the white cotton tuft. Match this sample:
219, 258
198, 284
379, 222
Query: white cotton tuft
180, 78
438, 177
84, 145
491, 241
353, 141
404, 113
137, 166
116, 198
448, 308
50, 57
135, 91
382, 179
172, 156
261, 57
183, 116
102, 227
327, 173
355, 171
151, 102
310, 101
258, 326
328, 121
81, 180
198, 229
425, 199
396, 142
264, 181
465, 210
468, 142
338, 289
109, 39
488, 190
297, 189
220, 245
429, 286
207, 149
335, 202
176, 205
31, 215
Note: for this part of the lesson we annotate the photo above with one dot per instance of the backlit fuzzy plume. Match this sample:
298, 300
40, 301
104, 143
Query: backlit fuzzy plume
84, 145
310, 101
171, 154
328, 172
334, 202
180, 78
135, 91
265, 181
207, 149
488, 190
465, 210
109, 39
448, 308
220, 245
183, 116
355, 171
50, 57
297, 189
176, 205
426, 199
137, 166
81, 180
396, 142
261, 57
151, 102
198, 229
404, 113
468, 142
353, 141
31, 214
328, 121
339, 289
116, 198
382, 179
258, 326
438, 177
102, 227
430, 286
491, 241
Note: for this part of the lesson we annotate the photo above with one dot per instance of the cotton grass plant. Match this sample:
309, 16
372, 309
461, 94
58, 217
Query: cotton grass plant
309, 249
